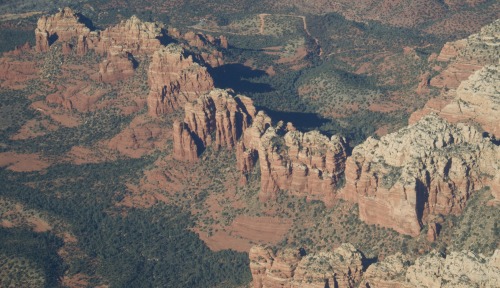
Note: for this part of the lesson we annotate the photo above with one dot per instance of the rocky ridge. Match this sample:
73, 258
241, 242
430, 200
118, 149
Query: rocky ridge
341, 267
428, 168
458, 269
306, 164
466, 56
346, 267
478, 100
175, 79
219, 113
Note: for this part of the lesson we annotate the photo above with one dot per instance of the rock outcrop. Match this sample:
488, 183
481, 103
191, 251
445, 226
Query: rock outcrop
306, 164
458, 269
467, 56
478, 100
185, 148
61, 26
219, 113
429, 168
175, 79
132, 35
342, 267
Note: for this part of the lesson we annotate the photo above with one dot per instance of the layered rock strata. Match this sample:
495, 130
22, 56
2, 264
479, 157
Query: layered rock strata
216, 119
133, 35
429, 168
306, 164
466, 56
175, 79
478, 100
342, 267
458, 269
61, 26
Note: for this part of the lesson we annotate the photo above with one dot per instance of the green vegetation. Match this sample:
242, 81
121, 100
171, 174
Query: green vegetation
29, 259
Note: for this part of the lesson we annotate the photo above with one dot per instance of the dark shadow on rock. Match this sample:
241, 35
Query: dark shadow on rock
165, 39
131, 58
53, 38
302, 121
83, 19
236, 77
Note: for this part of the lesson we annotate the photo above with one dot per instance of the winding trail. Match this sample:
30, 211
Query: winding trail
304, 24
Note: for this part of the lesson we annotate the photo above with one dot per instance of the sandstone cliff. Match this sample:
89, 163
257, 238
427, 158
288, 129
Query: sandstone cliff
220, 114
306, 164
342, 267
456, 63
175, 79
428, 168
478, 100
458, 269
463, 57
61, 26
133, 35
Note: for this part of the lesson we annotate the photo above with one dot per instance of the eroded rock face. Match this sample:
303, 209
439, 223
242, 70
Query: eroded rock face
342, 267
467, 56
219, 113
478, 100
61, 26
458, 269
428, 168
133, 35
175, 79
306, 164
185, 148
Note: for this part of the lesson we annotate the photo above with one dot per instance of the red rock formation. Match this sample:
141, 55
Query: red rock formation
478, 99
185, 148
82, 47
61, 26
428, 168
219, 113
288, 268
133, 35
117, 66
175, 79
306, 164
467, 56
42, 40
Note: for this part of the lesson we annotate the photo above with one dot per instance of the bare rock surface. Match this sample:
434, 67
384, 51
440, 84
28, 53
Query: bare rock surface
340, 267
307, 164
175, 79
429, 168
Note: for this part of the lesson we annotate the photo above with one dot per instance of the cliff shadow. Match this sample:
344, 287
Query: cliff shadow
53, 38
422, 198
83, 19
303, 121
237, 77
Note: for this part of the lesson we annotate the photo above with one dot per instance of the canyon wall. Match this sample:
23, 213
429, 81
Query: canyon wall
215, 119
344, 268
175, 79
306, 164
429, 168
341, 267
458, 269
